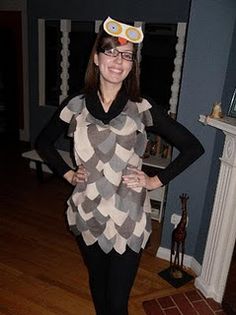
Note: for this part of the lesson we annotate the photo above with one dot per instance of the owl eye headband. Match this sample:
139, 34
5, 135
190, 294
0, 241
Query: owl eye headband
123, 31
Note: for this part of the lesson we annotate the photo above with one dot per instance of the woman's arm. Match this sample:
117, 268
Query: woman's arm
45, 144
189, 147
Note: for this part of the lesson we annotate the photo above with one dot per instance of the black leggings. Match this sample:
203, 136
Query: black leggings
111, 277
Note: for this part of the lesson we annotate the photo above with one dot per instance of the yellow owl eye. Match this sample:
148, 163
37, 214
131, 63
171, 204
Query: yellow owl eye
133, 34
114, 27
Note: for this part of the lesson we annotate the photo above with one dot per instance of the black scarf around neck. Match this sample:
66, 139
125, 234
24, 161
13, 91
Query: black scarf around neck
95, 107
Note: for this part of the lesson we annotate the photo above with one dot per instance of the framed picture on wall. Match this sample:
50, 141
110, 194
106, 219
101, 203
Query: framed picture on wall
232, 107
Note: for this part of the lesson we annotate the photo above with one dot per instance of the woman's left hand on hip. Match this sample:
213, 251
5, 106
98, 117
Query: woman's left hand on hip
138, 178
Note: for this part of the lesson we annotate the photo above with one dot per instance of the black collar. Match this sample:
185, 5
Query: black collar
95, 107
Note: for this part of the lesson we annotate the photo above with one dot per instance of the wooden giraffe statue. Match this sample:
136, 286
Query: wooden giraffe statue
178, 239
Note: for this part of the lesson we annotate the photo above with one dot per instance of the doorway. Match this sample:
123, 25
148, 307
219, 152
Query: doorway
11, 75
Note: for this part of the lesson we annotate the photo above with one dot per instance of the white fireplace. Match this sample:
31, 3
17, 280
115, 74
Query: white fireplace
222, 230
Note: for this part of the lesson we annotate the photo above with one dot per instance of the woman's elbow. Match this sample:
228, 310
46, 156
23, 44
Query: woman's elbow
198, 149
41, 143
38, 144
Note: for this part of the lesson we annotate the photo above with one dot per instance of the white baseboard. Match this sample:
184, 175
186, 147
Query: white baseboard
208, 290
189, 261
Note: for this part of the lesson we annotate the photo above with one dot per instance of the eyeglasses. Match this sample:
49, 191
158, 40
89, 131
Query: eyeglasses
126, 55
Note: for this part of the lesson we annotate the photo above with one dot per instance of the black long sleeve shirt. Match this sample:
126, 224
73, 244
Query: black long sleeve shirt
189, 147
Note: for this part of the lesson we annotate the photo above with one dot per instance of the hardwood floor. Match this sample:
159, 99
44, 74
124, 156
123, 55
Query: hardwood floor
41, 270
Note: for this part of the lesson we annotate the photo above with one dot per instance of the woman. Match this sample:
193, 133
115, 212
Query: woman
109, 210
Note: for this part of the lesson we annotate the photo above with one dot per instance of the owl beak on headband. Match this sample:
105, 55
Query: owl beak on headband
122, 40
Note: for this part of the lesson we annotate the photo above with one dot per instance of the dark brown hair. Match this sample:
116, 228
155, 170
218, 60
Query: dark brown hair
92, 82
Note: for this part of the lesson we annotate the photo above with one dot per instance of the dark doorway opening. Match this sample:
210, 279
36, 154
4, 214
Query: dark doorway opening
11, 75
157, 63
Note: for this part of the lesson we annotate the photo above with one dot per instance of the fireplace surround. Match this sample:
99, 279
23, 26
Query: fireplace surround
222, 230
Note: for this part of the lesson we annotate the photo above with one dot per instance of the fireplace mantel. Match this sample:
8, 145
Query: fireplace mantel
222, 230
226, 124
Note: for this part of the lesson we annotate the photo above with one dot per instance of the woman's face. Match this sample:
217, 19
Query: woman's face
114, 70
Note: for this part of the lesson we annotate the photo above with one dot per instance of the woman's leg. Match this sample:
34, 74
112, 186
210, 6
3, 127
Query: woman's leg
97, 263
122, 271
111, 277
